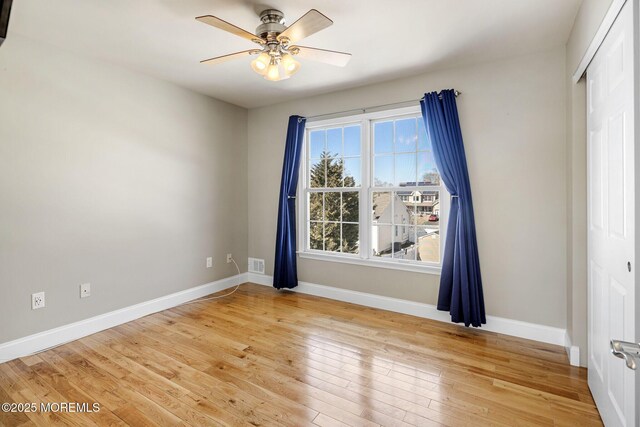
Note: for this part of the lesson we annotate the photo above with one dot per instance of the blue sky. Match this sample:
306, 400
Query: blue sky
331, 141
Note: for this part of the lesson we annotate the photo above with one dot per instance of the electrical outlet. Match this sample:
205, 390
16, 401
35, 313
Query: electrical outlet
209, 262
37, 300
229, 258
85, 290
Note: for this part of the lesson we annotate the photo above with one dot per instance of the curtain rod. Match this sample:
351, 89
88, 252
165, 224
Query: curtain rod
375, 107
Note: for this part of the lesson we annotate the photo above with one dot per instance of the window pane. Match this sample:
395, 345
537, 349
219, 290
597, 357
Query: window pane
427, 171
402, 211
414, 215
352, 141
350, 238
405, 169
350, 206
383, 171
315, 206
428, 206
406, 136
381, 207
404, 246
317, 173
411, 253
316, 144
431, 208
432, 221
331, 236
335, 170
423, 143
332, 206
428, 244
408, 200
381, 240
383, 135
316, 237
352, 174
334, 142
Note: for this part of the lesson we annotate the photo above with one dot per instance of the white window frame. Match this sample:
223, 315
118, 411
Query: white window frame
364, 257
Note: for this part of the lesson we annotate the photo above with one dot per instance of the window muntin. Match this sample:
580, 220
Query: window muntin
381, 166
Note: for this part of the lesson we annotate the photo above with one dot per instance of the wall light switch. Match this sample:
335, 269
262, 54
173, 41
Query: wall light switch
209, 262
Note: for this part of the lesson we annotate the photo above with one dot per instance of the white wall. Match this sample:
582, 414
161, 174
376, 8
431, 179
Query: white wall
513, 120
586, 25
112, 178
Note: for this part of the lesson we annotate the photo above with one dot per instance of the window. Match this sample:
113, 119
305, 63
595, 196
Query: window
371, 193
334, 173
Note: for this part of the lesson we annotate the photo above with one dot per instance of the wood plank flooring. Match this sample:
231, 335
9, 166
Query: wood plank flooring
262, 358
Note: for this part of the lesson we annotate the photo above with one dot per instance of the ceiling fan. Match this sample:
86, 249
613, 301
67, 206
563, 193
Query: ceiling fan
275, 57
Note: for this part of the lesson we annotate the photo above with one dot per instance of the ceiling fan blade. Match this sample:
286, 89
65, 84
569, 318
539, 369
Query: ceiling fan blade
229, 57
332, 57
308, 24
226, 26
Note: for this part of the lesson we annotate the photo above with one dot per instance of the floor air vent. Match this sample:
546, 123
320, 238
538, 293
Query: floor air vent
256, 265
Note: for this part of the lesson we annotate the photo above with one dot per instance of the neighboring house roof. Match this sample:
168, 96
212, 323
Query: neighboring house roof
380, 204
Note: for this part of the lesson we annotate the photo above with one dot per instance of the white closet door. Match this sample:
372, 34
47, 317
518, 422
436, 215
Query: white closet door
611, 220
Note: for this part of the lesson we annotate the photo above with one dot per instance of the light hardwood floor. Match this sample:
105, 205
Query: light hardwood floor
262, 357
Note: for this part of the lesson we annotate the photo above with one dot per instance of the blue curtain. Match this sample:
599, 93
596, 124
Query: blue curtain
460, 281
285, 273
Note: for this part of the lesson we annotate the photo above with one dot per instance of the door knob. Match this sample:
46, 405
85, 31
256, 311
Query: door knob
628, 351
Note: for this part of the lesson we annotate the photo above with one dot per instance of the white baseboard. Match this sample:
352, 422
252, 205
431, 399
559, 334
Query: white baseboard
37, 342
573, 351
516, 328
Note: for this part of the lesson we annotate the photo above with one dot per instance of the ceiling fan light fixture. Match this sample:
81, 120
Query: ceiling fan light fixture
290, 65
273, 73
261, 63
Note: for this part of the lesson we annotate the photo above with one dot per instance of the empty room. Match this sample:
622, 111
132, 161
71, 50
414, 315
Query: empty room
319, 213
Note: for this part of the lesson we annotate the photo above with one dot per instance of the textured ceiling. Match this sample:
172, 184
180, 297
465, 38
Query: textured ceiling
388, 39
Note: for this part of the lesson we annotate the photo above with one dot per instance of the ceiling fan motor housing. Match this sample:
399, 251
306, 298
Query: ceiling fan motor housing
272, 25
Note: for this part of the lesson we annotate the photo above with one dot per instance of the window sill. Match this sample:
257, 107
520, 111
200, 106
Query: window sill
392, 265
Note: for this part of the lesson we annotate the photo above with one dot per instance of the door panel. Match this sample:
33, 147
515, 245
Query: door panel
597, 334
616, 169
611, 211
596, 187
616, 377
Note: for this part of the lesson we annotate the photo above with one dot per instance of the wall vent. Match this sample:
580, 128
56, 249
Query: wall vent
256, 265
